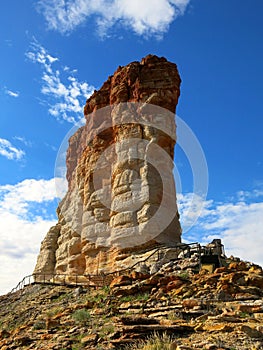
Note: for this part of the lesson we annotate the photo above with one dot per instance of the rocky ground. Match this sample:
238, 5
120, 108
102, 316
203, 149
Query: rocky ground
198, 310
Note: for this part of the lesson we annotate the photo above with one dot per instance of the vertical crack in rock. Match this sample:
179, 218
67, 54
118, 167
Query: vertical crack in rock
121, 198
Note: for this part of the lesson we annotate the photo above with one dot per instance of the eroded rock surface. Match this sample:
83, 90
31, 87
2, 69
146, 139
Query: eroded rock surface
121, 196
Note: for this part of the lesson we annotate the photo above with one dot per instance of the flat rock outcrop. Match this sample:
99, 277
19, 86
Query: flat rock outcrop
121, 197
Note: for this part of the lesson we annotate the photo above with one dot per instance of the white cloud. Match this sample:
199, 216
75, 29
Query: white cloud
12, 93
9, 151
23, 140
238, 223
23, 226
148, 17
19, 245
16, 198
244, 195
66, 94
191, 206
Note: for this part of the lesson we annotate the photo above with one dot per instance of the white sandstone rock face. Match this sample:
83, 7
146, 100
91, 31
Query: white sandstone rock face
121, 195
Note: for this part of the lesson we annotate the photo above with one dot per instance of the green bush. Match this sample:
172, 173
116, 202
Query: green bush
184, 275
136, 297
81, 316
39, 325
156, 342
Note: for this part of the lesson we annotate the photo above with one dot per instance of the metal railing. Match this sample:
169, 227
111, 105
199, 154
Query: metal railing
102, 279
25, 281
86, 280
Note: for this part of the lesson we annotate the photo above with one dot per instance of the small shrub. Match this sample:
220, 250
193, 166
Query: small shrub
77, 347
142, 297
54, 311
137, 297
99, 298
126, 298
155, 342
63, 296
172, 316
39, 325
81, 316
106, 289
106, 330
184, 275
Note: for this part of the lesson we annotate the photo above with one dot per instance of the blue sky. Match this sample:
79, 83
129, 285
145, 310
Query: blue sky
55, 52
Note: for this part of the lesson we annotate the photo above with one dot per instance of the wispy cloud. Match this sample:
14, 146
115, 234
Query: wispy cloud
66, 94
9, 151
238, 222
8, 42
23, 140
52, 147
246, 195
26, 214
147, 18
12, 93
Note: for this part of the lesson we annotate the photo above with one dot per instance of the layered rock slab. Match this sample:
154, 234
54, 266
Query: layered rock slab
121, 197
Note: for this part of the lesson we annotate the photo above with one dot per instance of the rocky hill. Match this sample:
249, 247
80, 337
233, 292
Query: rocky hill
120, 212
179, 306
